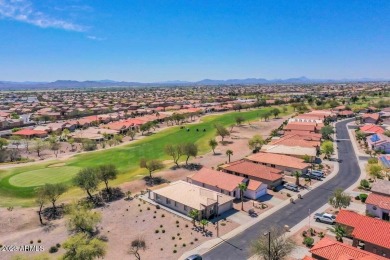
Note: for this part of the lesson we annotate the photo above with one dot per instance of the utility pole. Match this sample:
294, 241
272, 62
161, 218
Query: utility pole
269, 243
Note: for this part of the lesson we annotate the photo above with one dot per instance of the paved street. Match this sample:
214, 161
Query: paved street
238, 247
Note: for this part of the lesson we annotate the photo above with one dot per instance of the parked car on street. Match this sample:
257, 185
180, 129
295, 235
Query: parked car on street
325, 218
194, 257
290, 186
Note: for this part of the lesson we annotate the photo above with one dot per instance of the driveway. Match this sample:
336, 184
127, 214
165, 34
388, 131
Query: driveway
349, 172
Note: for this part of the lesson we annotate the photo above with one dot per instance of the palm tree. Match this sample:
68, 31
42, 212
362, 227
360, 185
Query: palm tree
193, 214
242, 187
204, 222
297, 174
229, 153
339, 231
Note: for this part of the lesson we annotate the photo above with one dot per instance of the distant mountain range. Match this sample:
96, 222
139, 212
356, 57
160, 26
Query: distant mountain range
72, 84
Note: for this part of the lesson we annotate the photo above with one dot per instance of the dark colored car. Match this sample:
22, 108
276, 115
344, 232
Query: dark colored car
194, 257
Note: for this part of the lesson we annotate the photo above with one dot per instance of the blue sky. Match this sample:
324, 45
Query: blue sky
150, 40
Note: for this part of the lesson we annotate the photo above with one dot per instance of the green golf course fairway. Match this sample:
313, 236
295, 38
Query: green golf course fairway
42, 176
17, 184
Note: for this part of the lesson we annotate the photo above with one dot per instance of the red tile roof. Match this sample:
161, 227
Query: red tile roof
333, 250
225, 181
374, 116
379, 200
254, 169
29, 132
278, 159
371, 230
254, 185
370, 128
295, 140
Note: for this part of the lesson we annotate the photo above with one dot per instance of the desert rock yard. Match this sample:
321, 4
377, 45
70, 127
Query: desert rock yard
167, 235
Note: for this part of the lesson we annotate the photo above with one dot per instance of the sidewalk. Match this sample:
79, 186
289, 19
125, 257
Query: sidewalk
208, 245
349, 190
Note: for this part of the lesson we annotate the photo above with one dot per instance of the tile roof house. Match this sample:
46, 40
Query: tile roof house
30, 133
381, 187
369, 234
379, 142
328, 249
271, 177
301, 127
227, 183
296, 140
378, 205
183, 197
371, 118
295, 151
285, 163
370, 129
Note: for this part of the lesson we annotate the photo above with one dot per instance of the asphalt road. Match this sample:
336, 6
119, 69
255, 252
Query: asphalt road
237, 248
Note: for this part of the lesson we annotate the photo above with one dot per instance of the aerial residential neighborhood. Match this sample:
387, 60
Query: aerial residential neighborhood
194, 130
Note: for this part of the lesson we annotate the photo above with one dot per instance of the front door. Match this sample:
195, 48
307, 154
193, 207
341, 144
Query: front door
385, 216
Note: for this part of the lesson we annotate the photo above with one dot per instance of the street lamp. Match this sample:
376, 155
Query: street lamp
269, 243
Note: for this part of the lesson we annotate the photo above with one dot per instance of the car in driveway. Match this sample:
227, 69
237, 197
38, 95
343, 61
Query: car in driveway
291, 186
194, 257
311, 176
325, 218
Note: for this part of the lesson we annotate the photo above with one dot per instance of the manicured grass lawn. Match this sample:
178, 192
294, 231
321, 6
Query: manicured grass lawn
18, 183
42, 176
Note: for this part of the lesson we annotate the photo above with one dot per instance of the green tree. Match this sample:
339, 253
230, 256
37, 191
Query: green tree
81, 218
131, 133
106, 173
40, 200
194, 215
3, 143
80, 246
267, 115
190, 149
326, 132
65, 133
375, 170
176, 151
297, 174
239, 120
360, 136
145, 128
242, 187
204, 223
53, 191
71, 141
327, 148
213, 144
339, 231
278, 248
275, 112
222, 131
339, 199
88, 180
39, 145
256, 142
229, 153
151, 165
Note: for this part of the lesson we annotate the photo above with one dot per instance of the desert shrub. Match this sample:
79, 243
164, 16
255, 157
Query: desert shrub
31, 242
177, 221
184, 245
363, 197
39, 241
156, 231
163, 231
161, 249
89, 145
288, 195
372, 160
174, 251
365, 184
58, 245
157, 206
357, 197
53, 249
308, 241
173, 238
195, 239
161, 226
163, 216
304, 233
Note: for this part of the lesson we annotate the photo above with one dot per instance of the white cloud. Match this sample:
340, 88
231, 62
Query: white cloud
95, 38
23, 11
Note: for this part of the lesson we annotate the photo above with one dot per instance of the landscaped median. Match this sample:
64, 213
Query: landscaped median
17, 184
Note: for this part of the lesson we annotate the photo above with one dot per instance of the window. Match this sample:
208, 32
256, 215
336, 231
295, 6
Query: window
175, 203
168, 201
157, 197
185, 208
273, 165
